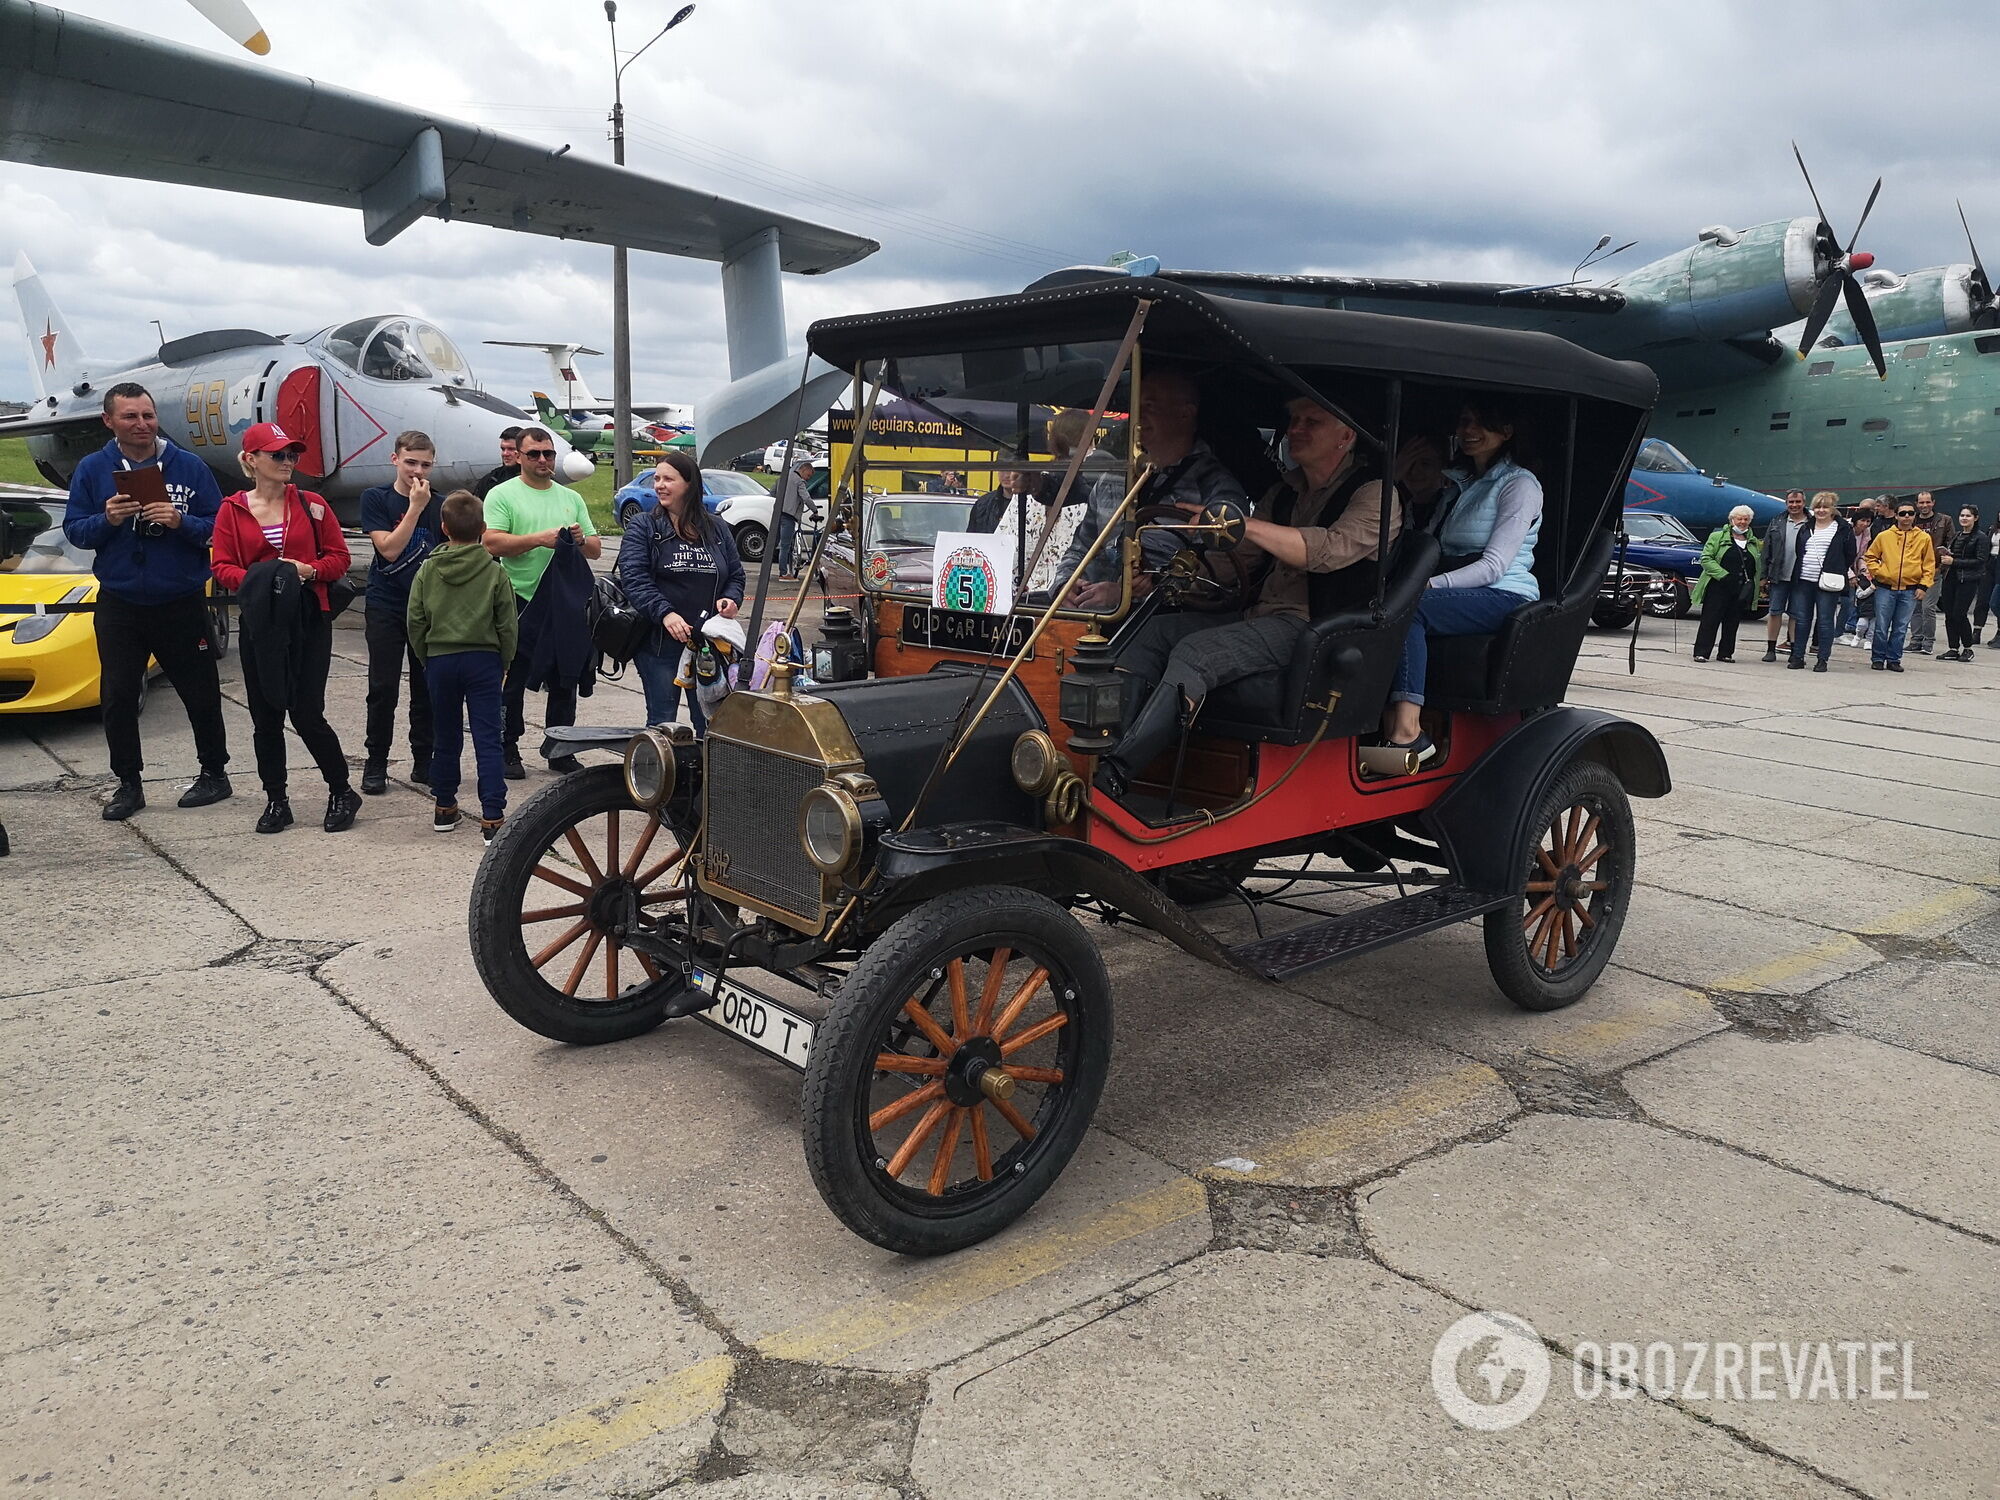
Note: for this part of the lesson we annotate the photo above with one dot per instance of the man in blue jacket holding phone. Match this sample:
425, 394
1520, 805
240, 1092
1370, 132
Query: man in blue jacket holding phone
152, 579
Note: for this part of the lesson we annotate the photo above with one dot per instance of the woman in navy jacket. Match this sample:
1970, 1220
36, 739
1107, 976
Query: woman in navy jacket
1827, 548
679, 567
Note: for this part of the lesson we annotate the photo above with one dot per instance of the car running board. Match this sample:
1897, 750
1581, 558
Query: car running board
1285, 955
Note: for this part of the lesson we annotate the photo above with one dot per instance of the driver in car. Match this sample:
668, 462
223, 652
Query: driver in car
1323, 517
1186, 471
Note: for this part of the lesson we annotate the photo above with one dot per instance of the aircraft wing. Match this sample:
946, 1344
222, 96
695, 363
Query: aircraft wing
85, 96
39, 421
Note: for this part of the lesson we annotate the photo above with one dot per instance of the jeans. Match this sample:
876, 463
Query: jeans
1893, 608
657, 670
307, 711
469, 680
786, 542
514, 693
1447, 612
1786, 597
387, 632
1818, 612
1923, 623
176, 635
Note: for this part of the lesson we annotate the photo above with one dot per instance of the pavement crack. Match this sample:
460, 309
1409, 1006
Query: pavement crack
684, 1296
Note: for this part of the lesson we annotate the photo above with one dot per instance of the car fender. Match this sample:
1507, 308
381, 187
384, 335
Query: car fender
1482, 822
913, 866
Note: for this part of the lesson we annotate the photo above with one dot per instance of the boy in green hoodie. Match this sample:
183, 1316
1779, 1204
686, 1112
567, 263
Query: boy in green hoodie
462, 628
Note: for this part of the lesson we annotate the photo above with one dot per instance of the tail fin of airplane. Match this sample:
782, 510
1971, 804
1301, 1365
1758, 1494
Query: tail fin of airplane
563, 373
54, 355
550, 417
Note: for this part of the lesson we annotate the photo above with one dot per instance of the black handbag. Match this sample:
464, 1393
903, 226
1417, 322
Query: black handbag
617, 629
339, 594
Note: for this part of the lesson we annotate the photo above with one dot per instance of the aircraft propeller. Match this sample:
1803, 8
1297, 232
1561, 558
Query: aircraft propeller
1985, 308
1841, 281
235, 21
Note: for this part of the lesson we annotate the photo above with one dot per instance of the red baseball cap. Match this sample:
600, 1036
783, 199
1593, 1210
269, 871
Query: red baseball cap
269, 437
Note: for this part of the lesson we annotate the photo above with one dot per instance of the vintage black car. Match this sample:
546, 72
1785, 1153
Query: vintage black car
883, 878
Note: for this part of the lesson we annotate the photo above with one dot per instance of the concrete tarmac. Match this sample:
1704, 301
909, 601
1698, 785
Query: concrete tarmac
293, 1208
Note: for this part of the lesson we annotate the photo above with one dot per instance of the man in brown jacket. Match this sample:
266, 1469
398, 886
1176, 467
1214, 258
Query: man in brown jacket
1942, 531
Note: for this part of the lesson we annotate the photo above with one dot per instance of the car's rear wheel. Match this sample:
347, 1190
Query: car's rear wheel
750, 539
218, 627
555, 896
1548, 947
629, 513
957, 1070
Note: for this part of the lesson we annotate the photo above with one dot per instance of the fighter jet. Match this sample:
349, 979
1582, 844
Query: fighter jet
344, 391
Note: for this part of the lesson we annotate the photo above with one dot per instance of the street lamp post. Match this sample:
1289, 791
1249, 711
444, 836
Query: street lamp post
621, 303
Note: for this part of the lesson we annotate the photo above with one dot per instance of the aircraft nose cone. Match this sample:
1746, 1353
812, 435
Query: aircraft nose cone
574, 468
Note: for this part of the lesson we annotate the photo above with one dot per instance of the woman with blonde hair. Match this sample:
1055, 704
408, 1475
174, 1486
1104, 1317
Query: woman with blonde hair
1823, 567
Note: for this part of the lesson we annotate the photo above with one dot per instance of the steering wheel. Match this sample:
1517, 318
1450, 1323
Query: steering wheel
1219, 525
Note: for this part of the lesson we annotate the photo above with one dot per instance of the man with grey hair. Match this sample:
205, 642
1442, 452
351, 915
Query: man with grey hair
1781, 550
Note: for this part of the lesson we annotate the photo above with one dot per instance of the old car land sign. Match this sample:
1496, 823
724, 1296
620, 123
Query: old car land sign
972, 573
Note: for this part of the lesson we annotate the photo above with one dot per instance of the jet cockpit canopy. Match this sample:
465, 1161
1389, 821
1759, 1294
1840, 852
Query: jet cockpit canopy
399, 348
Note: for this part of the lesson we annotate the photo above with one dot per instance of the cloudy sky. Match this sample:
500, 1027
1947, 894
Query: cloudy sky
986, 141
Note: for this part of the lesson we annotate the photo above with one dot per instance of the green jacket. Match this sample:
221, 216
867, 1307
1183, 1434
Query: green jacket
1711, 565
461, 600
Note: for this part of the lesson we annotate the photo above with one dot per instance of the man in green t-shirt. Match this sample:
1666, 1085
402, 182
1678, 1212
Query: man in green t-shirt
524, 519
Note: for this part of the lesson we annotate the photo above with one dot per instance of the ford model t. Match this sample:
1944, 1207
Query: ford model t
879, 868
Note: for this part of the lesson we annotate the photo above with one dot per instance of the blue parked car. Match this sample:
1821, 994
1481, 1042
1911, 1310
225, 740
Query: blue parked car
1663, 482
736, 499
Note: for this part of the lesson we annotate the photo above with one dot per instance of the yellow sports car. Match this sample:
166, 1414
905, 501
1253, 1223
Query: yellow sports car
48, 662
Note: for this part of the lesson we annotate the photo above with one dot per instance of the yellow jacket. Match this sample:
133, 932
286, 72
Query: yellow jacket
1899, 559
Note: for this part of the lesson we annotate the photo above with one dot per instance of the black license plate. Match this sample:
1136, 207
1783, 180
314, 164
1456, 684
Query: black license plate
952, 630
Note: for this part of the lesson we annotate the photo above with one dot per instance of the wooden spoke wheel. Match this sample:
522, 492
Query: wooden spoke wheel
958, 1069
555, 895
1577, 866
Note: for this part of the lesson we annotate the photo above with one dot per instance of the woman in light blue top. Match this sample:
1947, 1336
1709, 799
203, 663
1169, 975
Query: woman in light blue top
1488, 541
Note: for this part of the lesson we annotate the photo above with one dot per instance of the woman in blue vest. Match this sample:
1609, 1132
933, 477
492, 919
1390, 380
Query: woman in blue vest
678, 566
1488, 543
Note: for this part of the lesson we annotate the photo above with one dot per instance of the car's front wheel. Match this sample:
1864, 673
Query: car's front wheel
957, 1070
555, 895
1671, 603
629, 513
750, 538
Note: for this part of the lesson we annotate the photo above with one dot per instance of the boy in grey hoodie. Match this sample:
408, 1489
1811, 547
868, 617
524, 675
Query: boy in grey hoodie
462, 628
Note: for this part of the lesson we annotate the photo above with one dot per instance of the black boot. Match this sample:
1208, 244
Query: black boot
375, 777
1154, 728
341, 806
128, 799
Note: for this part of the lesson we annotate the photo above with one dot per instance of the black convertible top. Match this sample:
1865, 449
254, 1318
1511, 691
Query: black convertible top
1189, 324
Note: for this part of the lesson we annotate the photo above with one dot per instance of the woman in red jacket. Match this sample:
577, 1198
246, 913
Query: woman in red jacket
276, 521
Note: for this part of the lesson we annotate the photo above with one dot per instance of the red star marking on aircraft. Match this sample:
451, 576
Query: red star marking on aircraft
49, 344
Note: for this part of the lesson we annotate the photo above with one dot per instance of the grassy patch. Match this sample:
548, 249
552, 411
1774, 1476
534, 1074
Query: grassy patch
15, 465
